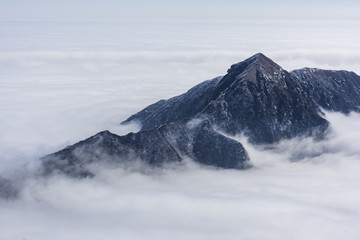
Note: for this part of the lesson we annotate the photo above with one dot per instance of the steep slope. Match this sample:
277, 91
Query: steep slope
169, 143
332, 90
185, 106
256, 98
260, 99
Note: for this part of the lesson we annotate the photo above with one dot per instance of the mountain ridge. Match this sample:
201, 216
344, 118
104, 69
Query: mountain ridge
254, 89
256, 98
332, 90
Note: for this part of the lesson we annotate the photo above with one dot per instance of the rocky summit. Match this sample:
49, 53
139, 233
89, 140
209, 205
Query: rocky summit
169, 143
256, 98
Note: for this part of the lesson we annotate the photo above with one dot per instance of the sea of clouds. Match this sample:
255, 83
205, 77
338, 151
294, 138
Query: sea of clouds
281, 197
61, 82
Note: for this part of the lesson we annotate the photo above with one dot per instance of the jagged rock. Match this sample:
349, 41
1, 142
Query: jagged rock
185, 106
150, 146
256, 98
332, 90
169, 143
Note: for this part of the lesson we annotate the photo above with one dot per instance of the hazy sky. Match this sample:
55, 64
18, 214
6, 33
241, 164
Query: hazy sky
166, 10
69, 69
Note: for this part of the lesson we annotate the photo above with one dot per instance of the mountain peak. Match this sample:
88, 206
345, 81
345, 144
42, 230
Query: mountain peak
258, 61
257, 70
254, 69
256, 98
259, 56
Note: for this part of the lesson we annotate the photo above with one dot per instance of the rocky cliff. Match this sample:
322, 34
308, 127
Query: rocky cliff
256, 98
332, 90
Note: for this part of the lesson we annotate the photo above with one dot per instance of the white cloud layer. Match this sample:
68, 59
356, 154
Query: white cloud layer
61, 82
316, 198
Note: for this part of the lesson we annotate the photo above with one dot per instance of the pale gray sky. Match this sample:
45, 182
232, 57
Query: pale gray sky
160, 9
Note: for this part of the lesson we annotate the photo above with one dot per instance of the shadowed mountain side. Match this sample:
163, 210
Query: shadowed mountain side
333, 90
184, 106
169, 143
256, 98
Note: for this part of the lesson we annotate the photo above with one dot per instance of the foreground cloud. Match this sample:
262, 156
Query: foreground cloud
316, 197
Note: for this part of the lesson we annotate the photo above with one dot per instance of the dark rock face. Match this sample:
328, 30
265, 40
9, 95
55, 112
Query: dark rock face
261, 100
256, 98
332, 90
150, 146
169, 143
185, 106
212, 148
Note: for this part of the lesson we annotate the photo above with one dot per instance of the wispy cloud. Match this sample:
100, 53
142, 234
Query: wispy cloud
196, 202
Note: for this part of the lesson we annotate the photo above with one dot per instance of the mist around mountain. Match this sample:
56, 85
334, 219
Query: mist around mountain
296, 180
71, 69
277, 195
256, 99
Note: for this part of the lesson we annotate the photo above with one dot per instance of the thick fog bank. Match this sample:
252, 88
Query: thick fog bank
279, 198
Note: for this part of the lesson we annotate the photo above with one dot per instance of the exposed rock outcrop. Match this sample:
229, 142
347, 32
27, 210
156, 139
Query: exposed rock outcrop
256, 98
332, 90
169, 143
